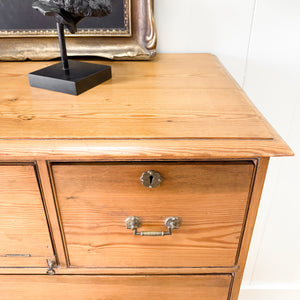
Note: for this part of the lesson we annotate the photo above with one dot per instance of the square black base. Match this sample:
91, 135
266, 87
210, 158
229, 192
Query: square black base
80, 78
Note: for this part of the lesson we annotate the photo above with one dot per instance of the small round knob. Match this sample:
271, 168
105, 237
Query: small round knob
151, 179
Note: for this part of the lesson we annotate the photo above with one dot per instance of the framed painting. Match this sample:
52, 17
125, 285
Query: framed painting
129, 33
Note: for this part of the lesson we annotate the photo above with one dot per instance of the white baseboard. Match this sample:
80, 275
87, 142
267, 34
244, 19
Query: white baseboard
269, 294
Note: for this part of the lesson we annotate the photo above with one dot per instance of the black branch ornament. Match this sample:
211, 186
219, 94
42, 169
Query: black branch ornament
68, 13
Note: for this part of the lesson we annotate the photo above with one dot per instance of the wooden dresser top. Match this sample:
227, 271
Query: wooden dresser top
177, 106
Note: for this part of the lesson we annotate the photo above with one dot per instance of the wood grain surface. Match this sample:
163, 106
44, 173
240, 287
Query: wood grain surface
50, 208
132, 150
208, 287
137, 103
121, 271
251, 217
95, 200
24, 235
174, 97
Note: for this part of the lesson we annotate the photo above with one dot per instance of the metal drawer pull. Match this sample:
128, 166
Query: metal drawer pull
134, 223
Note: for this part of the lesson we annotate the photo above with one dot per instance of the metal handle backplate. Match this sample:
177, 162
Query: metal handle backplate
151, 179
133, 223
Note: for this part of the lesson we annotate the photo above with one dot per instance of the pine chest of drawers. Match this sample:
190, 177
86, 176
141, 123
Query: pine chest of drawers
146, 187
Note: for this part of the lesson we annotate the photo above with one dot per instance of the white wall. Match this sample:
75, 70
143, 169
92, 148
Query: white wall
259, 42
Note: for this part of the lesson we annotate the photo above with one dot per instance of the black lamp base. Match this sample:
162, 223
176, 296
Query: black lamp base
80, 77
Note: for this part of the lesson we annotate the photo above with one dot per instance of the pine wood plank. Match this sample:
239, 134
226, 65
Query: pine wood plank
121, 271
135, 113
174, 98
208, 287
111, 150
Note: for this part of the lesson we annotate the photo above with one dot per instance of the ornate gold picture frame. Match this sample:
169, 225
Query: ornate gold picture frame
137, 41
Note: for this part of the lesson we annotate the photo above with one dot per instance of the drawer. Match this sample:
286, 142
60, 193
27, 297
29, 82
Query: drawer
24, 235
95, 199
208, 287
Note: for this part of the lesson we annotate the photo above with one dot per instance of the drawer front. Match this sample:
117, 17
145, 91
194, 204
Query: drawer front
95, 200
208, 287
24, 235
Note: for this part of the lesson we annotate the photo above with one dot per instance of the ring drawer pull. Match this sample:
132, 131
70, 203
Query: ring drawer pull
134, 223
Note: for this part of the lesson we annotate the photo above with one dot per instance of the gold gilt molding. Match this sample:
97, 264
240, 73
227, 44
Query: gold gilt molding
151, 38
140, 45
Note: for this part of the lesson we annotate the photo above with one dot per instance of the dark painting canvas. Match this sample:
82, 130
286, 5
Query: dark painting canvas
18, 15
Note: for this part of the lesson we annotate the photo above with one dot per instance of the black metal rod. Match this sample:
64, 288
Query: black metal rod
62, 46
